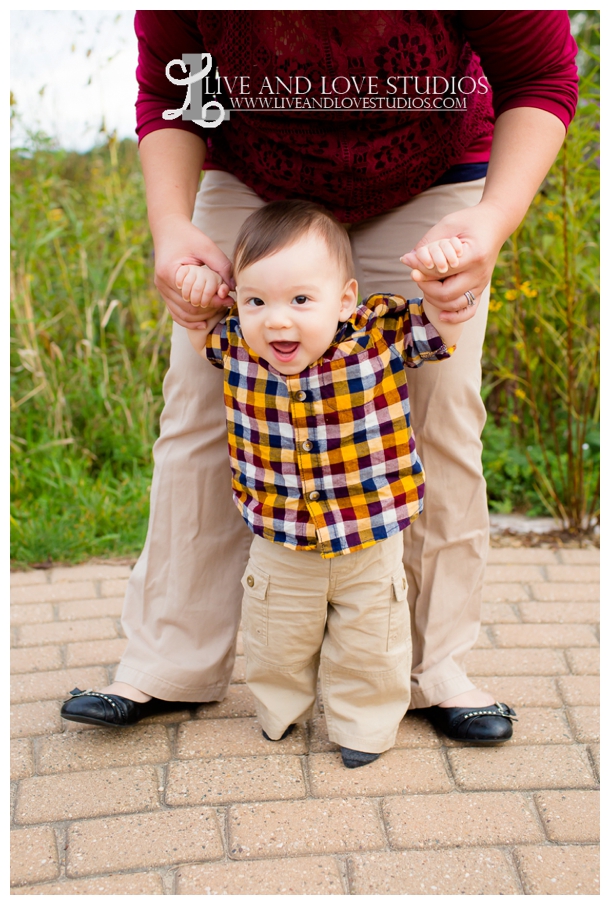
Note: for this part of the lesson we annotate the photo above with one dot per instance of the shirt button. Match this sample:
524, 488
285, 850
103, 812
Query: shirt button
301, 396
314, 495
250, 581
307, 446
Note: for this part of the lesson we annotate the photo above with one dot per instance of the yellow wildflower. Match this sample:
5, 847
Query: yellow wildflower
520, 393
494, 305
510, 295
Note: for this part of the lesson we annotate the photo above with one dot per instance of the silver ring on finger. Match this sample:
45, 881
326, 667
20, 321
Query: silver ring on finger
470, 298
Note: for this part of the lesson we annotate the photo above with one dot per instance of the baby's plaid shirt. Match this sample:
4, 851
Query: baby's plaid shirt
326, 459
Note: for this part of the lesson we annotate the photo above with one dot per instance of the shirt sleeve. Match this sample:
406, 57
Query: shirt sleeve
528, 56
217, 344
420, 340
404, 324
163, 35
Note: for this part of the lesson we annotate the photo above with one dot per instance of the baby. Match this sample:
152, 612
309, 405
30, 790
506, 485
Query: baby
324, 465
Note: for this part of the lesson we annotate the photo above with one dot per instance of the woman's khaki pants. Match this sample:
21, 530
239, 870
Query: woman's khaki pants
182, 606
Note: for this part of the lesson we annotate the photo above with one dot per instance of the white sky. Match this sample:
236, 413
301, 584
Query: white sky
71, 71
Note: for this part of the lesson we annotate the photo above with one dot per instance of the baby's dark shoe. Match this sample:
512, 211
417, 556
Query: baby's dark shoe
352, 759
285, 734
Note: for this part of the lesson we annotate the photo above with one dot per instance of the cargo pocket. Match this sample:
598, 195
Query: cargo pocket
399, 628
255, 583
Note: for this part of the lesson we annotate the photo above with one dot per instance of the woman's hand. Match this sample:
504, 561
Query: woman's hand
178, 243
482, 230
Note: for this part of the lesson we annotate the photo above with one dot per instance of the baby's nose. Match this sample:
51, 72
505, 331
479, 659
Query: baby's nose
278, 318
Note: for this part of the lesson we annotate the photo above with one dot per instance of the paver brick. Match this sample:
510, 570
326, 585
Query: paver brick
511, 573
569, 816
571, 592
529, 662
229, 779
72, 795
84, 653
103, 748
511, 593
521, 767
560, 612
416, 732
114, 587
33, 855
521, 691
536, 726
34, 576
303, 827
142, 884
318, 737
594, 752
585, 723
554, 870
65, 632
483, 641
39, 718
236, 737
295, 877
143, 841
573, 573
46, 686
239, 671
90, 609
469, 872
398, 771
238, 702
578, 690
90, 572
532, 635
588, 557
35, 659
51, 593
22, 761
31, 613
458, 819
521, 556
498, 612
583, 662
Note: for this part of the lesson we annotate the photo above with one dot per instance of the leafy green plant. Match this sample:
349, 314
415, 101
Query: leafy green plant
542, 360
89, 348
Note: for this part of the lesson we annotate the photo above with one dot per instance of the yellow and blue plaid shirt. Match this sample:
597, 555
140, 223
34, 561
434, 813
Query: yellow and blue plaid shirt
326, 459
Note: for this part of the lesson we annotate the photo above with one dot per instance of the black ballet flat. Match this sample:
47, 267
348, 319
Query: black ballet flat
490, 725
112, 710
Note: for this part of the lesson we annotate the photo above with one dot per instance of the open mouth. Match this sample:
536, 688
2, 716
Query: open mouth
285, 351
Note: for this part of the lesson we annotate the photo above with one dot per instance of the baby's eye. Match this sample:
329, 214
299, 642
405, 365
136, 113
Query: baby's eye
255, 302
300, 299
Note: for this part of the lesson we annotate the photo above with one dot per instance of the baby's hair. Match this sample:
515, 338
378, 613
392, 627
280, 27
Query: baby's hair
281, 223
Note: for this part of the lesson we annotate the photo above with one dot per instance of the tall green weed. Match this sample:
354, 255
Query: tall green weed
541, 365
88, 352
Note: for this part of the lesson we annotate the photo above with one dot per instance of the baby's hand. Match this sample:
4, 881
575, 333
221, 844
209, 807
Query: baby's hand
199, 285
430, 262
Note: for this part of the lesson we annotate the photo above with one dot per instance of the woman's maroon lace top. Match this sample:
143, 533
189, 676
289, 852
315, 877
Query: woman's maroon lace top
358, 162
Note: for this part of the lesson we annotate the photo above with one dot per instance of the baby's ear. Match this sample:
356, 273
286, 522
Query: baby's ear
349, 300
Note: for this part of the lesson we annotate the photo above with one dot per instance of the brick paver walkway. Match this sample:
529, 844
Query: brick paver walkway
199, 803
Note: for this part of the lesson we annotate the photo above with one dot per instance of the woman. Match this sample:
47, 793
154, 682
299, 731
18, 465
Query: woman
400, 178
